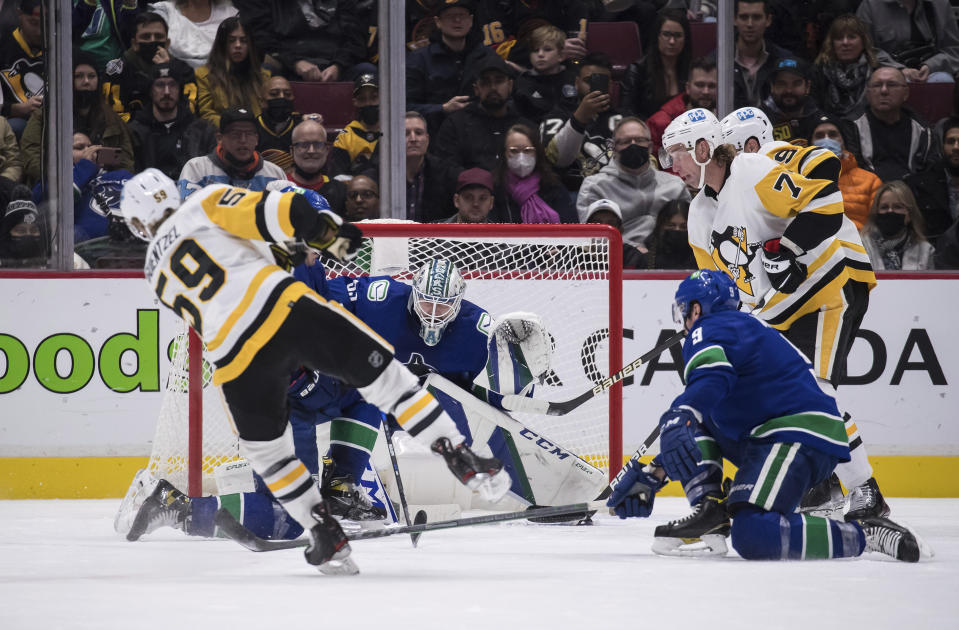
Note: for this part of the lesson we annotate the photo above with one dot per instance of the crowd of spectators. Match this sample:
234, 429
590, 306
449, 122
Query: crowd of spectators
511, 116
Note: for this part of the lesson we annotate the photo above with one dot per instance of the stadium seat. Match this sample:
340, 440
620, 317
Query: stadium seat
334, 100
931, 101
615, 90
704, 38
618, 40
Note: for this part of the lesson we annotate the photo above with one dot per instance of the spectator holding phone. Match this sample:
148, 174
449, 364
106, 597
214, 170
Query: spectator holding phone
580, 144
92, 116
663, 72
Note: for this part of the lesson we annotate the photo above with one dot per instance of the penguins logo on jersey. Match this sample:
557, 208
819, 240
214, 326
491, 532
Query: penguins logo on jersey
732, 252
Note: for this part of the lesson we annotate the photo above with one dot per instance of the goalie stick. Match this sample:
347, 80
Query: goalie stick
232, 528
388, 431
513, 402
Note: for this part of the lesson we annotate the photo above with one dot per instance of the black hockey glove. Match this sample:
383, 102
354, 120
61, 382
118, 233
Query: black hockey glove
286, 258
784, 271
344, 244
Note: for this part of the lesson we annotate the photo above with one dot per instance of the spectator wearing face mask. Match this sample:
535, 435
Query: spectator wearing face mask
355, 150
893, 235
857, 185
23, 234
668, 246
640, 190
92, 116
527, 189
275, 123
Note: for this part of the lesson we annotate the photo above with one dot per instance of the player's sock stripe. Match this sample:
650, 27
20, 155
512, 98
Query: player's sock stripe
261, 317
414, 408
277, 467
299, 491
288, 479
855, 443
425, 422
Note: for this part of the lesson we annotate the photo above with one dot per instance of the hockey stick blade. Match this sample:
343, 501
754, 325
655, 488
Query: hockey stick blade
512, 402
419, 519
231, 528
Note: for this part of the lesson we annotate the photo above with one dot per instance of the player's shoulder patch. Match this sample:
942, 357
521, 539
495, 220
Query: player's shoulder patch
484, 323
377, 290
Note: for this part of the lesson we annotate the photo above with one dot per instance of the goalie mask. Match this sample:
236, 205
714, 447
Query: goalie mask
437, 293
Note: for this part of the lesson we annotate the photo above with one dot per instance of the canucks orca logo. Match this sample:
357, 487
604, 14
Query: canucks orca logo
733, 254
695, 115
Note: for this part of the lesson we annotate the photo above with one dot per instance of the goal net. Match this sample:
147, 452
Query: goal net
569, 275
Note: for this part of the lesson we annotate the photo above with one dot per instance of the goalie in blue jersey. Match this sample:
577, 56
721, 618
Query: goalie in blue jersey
432, 329
752, 397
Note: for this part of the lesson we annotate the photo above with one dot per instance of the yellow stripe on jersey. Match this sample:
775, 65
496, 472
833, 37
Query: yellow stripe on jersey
703, 259
802, 160
285, 482
234, 210
258, 339
830, 321
244, 304
414, 409
785, 194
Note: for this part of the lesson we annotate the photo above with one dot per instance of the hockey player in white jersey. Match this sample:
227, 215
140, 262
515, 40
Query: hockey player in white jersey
782, 236
749, 130
259, 324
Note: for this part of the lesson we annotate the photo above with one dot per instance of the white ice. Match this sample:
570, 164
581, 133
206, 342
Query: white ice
62, 566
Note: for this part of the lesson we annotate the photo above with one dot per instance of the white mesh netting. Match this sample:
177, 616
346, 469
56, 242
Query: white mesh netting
563, 276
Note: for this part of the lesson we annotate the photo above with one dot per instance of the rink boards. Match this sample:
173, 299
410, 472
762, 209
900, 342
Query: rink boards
83, 361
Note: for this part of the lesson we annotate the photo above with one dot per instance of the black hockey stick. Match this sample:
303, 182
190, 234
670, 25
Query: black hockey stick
231, 528
388, 431
512, 402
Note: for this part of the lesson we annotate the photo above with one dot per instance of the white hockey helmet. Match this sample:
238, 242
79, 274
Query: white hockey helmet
745, 123
687, 129
437, 293
145, 199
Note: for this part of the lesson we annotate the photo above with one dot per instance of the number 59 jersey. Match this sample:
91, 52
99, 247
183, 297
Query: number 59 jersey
762, 200
206, 265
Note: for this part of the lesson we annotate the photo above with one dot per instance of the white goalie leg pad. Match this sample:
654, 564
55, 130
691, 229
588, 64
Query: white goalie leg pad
556, 475
284, 474
519, 341
398, 392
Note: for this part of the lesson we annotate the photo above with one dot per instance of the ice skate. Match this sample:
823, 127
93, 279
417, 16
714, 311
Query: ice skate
140, 488
346, 499
329, 548
866, 501
165, 507
892, 539
483, 474
702, 533
824, 499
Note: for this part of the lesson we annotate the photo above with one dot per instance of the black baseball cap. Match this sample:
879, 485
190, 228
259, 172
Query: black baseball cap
365, 80
794, 65
235, 115
493, 62
450, 4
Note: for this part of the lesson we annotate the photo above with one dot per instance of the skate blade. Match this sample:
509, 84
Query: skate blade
710, 545
340, 564
350, 526
140, 488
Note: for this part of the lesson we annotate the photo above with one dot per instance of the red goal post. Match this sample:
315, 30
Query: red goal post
569, 275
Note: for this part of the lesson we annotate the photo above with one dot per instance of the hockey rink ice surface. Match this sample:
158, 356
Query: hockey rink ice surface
62, 566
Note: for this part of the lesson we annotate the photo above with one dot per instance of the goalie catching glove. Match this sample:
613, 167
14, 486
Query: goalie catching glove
531, 344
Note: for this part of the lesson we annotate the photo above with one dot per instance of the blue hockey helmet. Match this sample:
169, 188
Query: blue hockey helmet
712, 290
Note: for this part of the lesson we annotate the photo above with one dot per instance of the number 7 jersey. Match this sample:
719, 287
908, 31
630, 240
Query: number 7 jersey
206, 265
762, 200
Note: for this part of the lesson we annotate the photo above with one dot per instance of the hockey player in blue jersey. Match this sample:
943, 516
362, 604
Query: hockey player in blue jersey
751, 396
